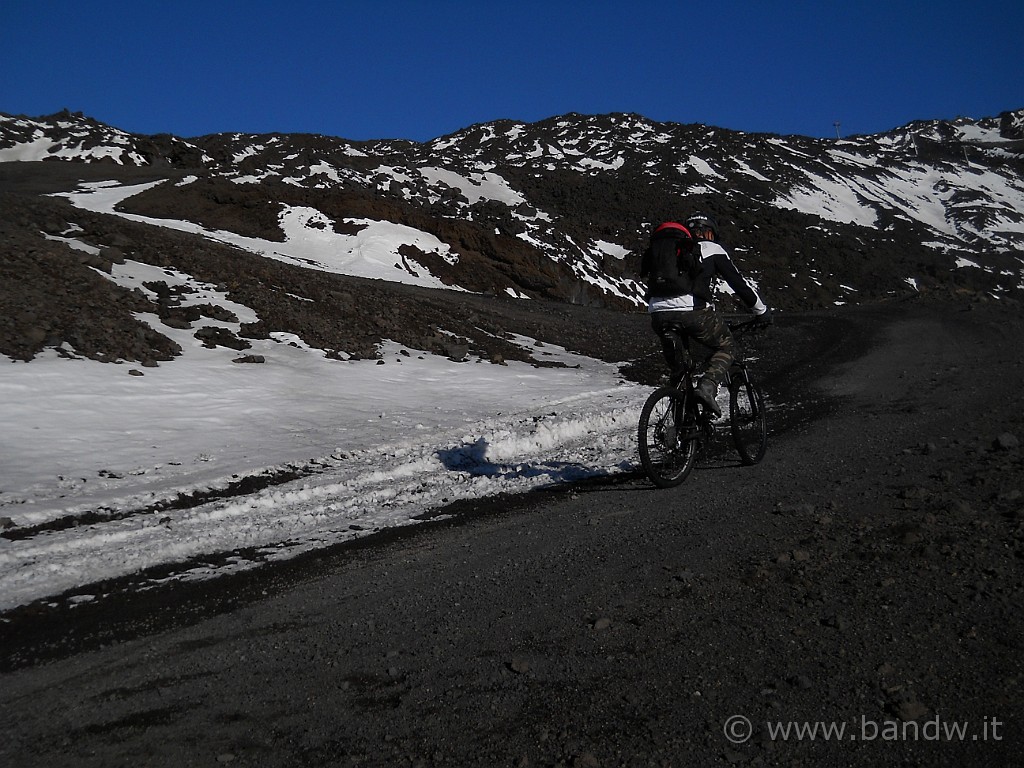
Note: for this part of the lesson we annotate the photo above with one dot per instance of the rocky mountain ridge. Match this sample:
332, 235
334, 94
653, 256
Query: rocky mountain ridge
555, 210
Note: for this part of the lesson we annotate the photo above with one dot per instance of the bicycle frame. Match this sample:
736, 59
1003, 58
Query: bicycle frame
675, 425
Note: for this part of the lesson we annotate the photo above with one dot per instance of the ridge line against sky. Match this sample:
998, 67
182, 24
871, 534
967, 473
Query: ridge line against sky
412, 69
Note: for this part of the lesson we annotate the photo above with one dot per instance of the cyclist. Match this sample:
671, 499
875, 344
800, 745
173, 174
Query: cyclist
687, 307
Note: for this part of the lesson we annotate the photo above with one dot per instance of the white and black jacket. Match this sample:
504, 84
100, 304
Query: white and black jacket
714, 262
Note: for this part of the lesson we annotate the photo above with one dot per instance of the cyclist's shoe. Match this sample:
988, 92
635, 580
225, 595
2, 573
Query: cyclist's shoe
707, 393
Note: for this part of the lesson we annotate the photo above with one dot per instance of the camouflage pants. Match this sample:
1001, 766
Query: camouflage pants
706, 326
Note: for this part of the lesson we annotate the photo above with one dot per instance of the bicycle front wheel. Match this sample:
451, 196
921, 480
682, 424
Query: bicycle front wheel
667, 437
749, 421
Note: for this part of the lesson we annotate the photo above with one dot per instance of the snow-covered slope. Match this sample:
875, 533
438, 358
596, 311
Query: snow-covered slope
94, 462
578, 192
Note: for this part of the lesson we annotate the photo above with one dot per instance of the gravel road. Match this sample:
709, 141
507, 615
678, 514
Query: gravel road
865, 579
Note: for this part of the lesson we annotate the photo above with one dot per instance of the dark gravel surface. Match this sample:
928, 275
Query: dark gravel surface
867, 576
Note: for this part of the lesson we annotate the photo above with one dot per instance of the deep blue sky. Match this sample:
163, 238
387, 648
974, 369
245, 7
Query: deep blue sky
365, 69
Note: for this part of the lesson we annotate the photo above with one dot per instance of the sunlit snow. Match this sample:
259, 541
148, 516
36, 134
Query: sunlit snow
310, 240
388, 442
479, 186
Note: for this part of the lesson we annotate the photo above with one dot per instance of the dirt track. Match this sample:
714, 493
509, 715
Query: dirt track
866, 576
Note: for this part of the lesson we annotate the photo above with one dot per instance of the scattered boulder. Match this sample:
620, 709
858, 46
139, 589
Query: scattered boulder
213, 336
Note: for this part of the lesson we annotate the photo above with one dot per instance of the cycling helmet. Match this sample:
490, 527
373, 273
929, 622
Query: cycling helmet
700, 221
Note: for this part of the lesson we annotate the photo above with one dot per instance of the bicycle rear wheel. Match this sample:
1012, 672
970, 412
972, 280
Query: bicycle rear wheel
749, 421
667, 437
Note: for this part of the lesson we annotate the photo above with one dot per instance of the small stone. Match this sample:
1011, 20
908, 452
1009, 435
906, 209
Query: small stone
961, 507
602, 623
837, 622
801, 681
1006, 442
912, 710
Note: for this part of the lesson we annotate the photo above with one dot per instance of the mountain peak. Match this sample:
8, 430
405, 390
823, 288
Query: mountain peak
559, 208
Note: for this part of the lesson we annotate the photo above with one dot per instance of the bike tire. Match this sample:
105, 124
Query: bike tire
749, 420
667, 437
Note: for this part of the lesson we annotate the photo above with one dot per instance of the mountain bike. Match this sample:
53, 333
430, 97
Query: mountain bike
675, 425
